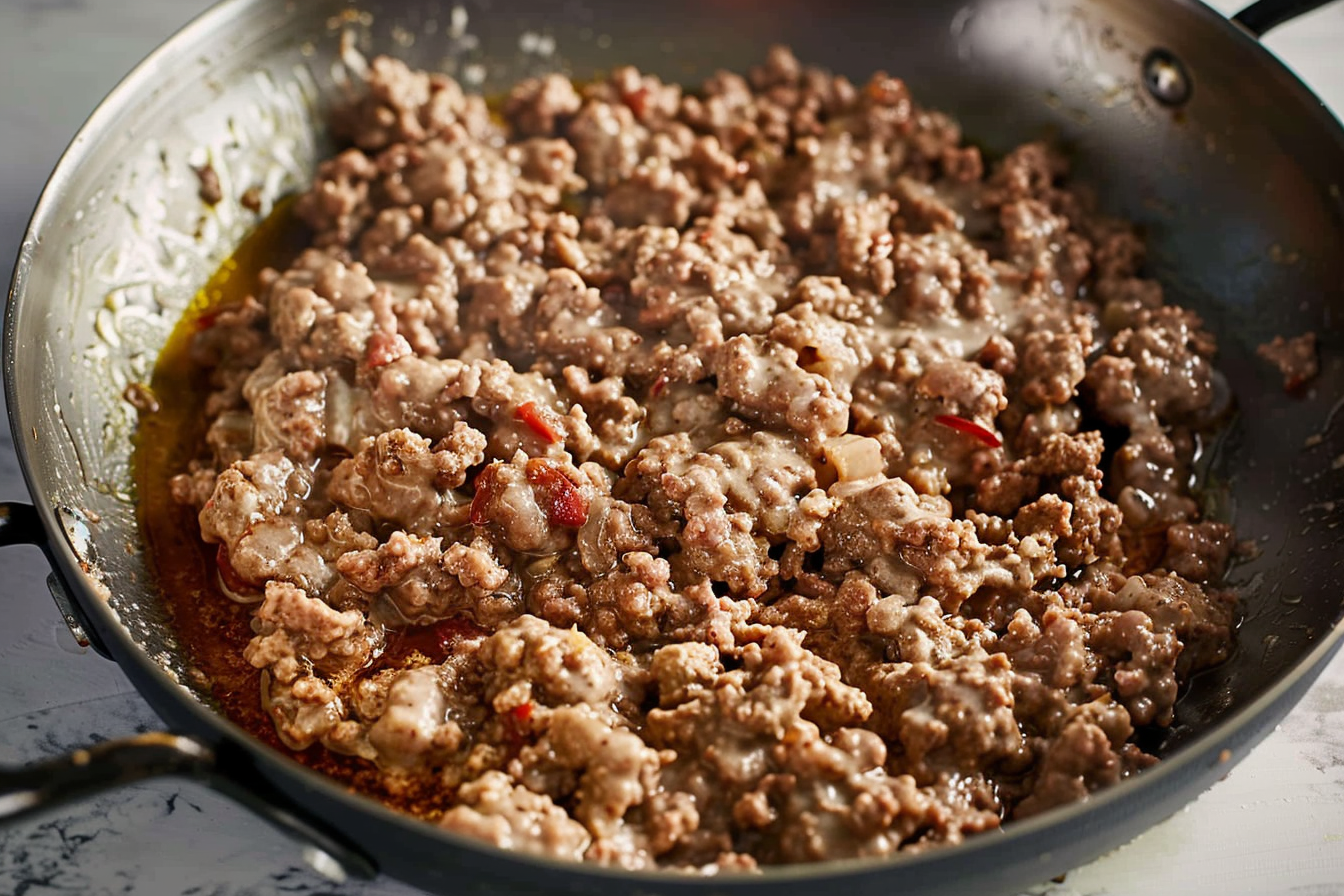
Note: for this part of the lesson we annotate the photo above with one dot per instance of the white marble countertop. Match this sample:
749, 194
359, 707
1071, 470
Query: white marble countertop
1275, 825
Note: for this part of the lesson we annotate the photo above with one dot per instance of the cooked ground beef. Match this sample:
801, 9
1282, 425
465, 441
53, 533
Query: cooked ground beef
765, 476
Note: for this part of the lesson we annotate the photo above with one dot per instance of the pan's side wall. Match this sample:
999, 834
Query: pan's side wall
1237, 193
121, 245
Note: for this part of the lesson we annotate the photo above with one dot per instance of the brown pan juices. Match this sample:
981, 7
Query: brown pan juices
170, 435
213, 628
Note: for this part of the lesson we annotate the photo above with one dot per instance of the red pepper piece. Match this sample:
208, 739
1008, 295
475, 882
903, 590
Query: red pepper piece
516, 728
659, 385
384, 348
565, 505
207, 320
535, 417
970, 428
231, 578
486, 487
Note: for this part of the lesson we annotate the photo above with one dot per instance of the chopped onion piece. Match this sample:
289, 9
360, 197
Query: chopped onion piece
854, 457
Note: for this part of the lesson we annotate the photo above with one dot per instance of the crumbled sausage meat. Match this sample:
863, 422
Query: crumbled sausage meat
1295, 358
711, 478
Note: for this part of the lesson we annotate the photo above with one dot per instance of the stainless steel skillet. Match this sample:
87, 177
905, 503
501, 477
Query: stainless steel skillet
1233, 167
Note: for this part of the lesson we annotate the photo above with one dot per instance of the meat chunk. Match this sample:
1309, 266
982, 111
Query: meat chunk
255, 515
535, 106
766, 382
1199, 618
1170, 351
294, 629
290, 414
512, 817
425, 582
1295, 358
398, 477
412, 729
589, 758
529, 659
320, 309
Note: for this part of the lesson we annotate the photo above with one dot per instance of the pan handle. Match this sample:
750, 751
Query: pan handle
82, 773
20, 524
1263, 15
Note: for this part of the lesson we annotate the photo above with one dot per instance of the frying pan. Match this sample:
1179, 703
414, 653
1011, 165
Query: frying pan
1178, 118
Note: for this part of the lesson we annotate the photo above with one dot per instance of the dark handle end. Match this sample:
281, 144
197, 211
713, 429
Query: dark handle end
20, 524
1260, 17
82, 773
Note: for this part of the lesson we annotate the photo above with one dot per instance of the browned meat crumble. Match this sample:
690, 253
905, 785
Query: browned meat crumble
773, 479
1295, 358
210, 191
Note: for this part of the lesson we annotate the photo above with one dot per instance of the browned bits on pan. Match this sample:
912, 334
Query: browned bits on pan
251, 199
141, 397
210, 190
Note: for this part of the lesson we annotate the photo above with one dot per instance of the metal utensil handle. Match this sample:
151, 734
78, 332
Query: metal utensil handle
1263, 15
44, 785
47, 785
226, 768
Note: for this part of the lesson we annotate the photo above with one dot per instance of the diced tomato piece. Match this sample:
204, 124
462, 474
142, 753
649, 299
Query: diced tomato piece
516, 728
447, 632
384, 348
207, 320
535, 417
970, 428
564, 503
886, 91
638, 101
486, 486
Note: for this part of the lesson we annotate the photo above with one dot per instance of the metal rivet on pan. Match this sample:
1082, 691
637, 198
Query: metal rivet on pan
1166, 78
